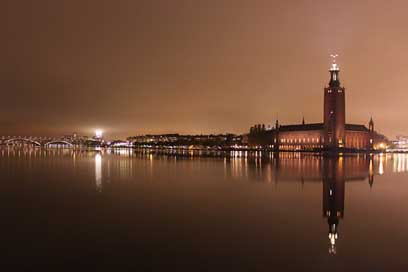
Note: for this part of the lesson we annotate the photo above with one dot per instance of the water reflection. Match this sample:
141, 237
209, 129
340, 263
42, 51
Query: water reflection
98, 171
332, 172
262, 208
187, 177
333, 196
400, 163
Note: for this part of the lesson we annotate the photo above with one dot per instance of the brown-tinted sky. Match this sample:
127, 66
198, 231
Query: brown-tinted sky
197, 66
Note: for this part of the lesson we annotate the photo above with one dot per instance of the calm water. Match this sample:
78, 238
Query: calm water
121, 209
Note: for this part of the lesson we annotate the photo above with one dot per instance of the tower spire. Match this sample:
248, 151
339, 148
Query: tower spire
371, 124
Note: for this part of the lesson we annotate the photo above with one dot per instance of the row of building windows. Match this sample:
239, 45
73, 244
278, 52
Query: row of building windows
301, 140
297, 147
350, 142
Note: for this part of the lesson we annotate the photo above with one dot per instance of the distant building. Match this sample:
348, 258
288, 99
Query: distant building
333, 134
401, 143
222, 140
154, 139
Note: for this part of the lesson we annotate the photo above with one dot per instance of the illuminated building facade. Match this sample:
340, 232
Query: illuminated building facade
333, 134
401, 143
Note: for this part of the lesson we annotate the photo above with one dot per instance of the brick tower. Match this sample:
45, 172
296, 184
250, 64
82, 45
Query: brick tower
334, 110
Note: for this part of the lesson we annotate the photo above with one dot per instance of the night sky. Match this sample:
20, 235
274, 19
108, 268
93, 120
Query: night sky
190, 66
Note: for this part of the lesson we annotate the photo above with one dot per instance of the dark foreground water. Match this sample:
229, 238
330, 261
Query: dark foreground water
120, 209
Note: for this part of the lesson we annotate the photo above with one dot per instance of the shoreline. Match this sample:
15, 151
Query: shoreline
173, 149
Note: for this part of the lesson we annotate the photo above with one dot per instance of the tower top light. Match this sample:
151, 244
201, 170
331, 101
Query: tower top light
334, 66
334, 72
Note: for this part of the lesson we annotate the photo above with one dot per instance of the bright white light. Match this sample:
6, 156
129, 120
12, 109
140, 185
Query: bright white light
98, 133
334, 66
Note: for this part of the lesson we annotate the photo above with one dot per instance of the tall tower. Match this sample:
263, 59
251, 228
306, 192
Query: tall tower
334, 109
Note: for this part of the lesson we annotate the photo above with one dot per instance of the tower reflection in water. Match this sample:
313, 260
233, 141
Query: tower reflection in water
333, 172
333, 197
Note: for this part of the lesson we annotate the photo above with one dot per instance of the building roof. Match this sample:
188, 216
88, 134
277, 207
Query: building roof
319, 126
301, 127
355, 127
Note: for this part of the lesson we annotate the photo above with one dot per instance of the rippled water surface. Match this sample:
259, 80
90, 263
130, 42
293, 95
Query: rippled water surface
249, 212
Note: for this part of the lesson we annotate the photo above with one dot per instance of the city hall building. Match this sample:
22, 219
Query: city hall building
333, 134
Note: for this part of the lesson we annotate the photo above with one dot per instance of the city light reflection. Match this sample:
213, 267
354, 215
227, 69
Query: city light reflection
98, 171
400, 163
381, 165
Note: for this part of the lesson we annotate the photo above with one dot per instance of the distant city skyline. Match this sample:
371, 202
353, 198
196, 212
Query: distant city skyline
190, 67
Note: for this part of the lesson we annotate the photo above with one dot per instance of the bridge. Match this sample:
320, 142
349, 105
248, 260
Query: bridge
35, 141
